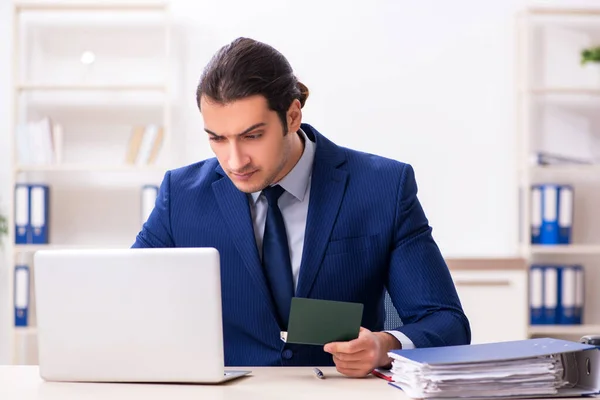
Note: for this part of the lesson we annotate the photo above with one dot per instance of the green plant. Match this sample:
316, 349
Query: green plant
3, 227
591, 54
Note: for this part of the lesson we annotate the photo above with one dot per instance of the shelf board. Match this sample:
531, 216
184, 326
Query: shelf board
89, 6
591, 170
31, 248
563, 329
566, 249
90, 87
564, 11
567, 91
88, 168
25, 330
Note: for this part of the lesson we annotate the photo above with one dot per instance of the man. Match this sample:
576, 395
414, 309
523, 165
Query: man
293, 214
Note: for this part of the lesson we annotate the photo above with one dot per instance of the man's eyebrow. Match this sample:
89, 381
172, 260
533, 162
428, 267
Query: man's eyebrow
253, 127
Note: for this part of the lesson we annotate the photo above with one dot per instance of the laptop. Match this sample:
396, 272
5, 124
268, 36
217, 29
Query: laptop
130, 315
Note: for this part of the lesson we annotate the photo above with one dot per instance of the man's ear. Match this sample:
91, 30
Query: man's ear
294, 116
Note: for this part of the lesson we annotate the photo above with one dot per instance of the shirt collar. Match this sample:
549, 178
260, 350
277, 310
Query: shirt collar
296, 181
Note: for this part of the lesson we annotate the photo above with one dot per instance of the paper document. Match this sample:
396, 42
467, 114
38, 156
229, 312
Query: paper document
518, 368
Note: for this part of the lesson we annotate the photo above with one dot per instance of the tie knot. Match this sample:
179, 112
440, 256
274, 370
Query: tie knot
272, 193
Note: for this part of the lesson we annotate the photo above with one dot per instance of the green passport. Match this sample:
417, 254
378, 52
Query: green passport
314, 321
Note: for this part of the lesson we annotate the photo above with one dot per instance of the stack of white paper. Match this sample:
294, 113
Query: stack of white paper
532, 367
539, 375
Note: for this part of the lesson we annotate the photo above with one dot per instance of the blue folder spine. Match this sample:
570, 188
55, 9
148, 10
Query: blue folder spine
21, 295
536, 214
565, 213
567, 281
550, 295
579, 293
556, 294
22, 214
549, 229
536, 294
40, 197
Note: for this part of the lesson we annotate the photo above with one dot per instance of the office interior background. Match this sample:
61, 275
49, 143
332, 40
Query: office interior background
466, 91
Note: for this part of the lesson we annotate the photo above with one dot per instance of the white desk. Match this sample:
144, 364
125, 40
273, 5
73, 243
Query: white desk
287, 383
24, 383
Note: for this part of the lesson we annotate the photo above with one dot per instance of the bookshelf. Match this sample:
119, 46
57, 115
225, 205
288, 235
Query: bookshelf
89, 87
69, 68
565, 91
552, 330
88, 168
557, 113
566, 249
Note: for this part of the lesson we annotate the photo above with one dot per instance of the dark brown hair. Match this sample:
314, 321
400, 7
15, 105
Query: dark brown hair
246, 67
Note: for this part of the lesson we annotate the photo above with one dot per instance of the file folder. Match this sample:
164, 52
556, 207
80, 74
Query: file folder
39, 198
549, 233
550, 295
536, 294
148, 200
22, 227
565, 213
536, 214
480, 364
579, 294
567, 281
21, 295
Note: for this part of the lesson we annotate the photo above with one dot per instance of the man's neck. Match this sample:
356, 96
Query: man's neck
295, 153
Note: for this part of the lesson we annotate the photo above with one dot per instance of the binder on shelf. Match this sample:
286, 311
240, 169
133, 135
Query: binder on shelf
144, 144
536, 294
21, 295
536, 214
551, 213
149, 194
550, 295
567, 280
549, 229
154, 151
37, 142
135, 141
565, 213
150, 145
39, 196
579, 294
556, 294
22, 227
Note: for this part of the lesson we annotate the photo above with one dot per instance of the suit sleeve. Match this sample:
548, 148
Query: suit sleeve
156, 231
419, 282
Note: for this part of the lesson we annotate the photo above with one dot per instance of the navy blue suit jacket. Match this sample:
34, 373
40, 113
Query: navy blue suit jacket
365, 232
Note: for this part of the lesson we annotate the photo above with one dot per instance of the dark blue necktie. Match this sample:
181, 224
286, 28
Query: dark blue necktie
276, 256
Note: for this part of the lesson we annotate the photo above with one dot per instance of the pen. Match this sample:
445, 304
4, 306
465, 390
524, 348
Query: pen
318, 373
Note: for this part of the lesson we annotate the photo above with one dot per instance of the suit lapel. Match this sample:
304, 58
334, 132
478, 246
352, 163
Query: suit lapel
328, 184
236, 212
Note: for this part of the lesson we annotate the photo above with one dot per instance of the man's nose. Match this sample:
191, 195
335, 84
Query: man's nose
237, 159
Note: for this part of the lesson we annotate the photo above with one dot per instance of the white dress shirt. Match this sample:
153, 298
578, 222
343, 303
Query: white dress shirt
293, 204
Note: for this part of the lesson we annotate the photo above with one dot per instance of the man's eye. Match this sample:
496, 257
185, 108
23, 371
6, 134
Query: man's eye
216, 138
251, 137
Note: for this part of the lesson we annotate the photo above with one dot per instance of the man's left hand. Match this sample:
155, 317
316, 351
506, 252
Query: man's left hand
358, 357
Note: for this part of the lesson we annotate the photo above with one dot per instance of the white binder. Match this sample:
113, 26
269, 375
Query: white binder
149, 194
22, 214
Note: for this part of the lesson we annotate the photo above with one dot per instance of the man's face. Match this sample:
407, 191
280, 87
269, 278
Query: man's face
248, 140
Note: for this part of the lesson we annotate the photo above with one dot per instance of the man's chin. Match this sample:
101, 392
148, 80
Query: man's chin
250, 186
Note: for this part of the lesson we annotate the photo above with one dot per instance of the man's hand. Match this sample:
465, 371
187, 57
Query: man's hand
358, 357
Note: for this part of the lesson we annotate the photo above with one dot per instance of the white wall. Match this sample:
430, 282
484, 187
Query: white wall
428, 82
5, 96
